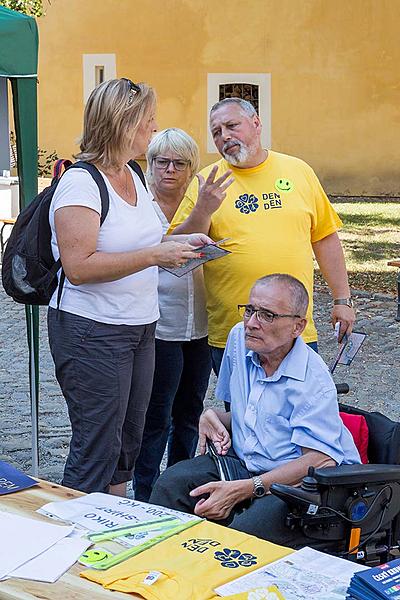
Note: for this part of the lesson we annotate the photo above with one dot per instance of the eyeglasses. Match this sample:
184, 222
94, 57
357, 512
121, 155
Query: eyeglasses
163, 163
263, 315
133, 90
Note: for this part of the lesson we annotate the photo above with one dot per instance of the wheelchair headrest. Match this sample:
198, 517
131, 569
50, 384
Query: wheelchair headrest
384, 436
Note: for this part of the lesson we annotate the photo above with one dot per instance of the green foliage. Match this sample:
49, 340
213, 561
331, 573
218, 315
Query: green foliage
33, 8
46, 161
370, 238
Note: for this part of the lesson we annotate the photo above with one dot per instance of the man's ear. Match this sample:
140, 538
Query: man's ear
298, 327
257, 124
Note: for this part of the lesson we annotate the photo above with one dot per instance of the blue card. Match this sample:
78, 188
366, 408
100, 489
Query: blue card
12, 480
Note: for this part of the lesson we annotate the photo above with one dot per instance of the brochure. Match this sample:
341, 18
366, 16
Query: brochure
382, 582
208, 252
12, 480
303, 575
347, 349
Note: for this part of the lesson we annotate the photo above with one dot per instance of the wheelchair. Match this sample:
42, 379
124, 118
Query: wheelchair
352, 511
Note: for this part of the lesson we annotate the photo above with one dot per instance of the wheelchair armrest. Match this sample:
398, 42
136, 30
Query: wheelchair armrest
357, 474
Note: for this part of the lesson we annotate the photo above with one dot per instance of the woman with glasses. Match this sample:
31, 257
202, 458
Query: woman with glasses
183, 361
101, 330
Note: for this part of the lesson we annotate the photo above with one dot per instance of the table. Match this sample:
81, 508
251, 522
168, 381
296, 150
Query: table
70, 586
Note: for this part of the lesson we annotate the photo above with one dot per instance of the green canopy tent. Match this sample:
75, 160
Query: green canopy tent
18, 63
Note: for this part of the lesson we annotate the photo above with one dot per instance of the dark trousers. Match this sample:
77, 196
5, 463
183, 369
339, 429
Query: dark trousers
181, 378
262, 517
106, 374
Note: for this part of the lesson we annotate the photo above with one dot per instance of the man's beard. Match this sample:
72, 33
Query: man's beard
240, 157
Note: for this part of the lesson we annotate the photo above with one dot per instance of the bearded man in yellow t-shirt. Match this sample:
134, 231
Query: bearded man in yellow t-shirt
276, 215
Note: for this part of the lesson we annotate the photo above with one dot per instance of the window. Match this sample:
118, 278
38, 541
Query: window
96, 69
99, 74
246, 91
254, 87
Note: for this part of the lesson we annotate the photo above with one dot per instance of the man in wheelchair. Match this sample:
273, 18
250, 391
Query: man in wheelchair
284, 419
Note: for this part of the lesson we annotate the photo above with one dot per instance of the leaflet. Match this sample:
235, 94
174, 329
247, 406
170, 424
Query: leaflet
13, 480
303, 575
379, 582
208, 252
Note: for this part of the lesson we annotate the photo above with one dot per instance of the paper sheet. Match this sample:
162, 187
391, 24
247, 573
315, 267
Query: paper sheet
54, 562
303, 575
22, 539
99, 512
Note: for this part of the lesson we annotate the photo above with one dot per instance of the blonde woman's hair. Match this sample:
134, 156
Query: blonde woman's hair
112, 116
175, 140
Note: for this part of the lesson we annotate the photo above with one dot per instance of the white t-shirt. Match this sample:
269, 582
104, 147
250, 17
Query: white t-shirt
131, 300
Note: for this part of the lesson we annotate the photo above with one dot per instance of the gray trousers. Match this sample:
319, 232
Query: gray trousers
262, 517
106, 374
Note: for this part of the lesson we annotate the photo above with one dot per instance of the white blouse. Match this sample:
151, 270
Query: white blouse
182, 301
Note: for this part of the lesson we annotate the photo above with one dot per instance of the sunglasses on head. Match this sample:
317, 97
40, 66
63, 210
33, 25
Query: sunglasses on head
133, 89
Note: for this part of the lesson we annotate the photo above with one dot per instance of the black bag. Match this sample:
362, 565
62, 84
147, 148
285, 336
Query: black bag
230, 467
29, 271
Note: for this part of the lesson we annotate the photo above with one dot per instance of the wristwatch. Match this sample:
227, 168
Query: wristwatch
344, 301
259, 490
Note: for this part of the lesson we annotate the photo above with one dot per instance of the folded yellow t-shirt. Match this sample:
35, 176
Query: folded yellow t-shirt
191, 564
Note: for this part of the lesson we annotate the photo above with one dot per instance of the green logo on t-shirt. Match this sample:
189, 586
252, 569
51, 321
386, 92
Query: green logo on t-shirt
284, 185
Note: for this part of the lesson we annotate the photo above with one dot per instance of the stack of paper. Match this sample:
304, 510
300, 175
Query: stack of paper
36, 550
381, 582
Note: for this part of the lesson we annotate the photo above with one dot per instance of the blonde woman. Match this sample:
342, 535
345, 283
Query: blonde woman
102, 336
183, 359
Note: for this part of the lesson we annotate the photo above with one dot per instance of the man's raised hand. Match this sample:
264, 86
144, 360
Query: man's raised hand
211, 427
212, 191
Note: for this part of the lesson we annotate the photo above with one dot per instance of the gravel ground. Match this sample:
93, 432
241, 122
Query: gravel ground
373, 377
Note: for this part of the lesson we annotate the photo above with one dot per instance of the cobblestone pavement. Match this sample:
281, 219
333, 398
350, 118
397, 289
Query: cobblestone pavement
373, 377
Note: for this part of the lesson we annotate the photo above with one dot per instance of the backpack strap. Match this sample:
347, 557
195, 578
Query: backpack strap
105, 205
97, 176
59, 167
138, 170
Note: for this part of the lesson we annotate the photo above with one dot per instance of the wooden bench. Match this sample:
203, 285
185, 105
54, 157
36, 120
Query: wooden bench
4, 223
396, 263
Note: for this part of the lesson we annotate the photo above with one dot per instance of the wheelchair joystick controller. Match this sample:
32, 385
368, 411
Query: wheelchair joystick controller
305, 498
309, 483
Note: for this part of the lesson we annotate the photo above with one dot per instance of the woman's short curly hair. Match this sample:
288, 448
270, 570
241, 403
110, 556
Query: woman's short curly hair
175, 140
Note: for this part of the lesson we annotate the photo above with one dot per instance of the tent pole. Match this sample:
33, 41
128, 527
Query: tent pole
33, 386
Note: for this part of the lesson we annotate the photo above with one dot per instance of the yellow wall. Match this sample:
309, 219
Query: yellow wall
334, 66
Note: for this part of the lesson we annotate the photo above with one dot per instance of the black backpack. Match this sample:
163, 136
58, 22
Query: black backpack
29, 271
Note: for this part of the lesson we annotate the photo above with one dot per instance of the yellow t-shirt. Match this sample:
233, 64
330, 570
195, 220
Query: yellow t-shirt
272, 213
191, 564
